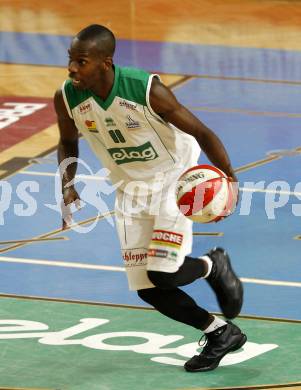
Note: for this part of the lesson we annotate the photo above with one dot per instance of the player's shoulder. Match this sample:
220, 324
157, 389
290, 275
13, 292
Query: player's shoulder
133, 84
58, 99
69, 89
74, 96
133, 73
67, 86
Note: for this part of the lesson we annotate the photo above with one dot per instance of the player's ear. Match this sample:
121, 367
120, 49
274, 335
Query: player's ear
107, 63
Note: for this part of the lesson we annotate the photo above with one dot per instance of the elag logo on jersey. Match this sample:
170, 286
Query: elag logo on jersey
144, 152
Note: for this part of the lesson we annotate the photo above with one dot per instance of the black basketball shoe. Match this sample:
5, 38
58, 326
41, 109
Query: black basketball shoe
224, 282
223, 340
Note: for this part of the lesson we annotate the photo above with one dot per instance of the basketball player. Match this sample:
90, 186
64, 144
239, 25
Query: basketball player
137, 128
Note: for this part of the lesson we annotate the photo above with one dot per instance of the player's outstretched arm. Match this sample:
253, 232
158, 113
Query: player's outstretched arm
164, 103
67, 148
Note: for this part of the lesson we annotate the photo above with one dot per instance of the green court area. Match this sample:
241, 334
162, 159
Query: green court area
76, 346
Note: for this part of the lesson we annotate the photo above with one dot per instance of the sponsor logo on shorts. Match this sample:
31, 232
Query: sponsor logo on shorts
84, 108
134, 257
157, 253
173, 256
164, 237
144, 152
127, 105
163, 254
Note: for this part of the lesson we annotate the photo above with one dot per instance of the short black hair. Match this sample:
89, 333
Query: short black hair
103, 37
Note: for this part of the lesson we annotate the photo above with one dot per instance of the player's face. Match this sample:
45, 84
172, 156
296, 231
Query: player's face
87, 66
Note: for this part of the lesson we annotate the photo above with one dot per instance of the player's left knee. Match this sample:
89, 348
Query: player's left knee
163, 280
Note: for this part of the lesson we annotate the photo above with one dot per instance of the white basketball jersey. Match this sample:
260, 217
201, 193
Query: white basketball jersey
124, 132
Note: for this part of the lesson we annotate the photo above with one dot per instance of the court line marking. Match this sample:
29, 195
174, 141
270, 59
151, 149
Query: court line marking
56, 231
126, 306
181, 82
268, 191
54, 174
272, 157
32, 240
244, 79
267, 282
26, 388
216, 234
55, 263
244, 111
9, 174
256, 164
65, 264
251, 387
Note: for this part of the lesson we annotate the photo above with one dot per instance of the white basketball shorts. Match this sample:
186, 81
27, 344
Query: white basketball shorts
153, 234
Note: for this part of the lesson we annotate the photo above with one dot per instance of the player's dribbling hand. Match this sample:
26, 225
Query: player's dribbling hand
235, 184
235, 187
70, 196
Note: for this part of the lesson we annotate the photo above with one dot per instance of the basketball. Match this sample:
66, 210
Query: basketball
205, 194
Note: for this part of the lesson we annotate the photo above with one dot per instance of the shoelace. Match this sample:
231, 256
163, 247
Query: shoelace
206, 342
202, 342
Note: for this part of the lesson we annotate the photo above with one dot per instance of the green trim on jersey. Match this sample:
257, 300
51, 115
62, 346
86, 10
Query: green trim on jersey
106, 103
75, 96
133, 84
129, 84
